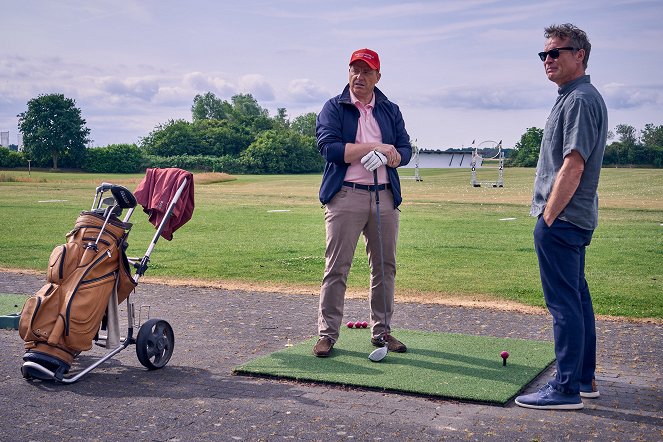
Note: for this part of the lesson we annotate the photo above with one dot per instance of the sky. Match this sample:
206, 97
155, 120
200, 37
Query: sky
460, 70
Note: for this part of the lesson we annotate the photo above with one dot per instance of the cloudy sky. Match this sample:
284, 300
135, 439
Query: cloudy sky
461, 70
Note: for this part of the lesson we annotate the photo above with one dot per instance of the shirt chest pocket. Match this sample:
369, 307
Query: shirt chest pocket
553, 129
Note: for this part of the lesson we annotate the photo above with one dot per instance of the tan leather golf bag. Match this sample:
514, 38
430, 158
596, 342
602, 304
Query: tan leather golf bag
64, 316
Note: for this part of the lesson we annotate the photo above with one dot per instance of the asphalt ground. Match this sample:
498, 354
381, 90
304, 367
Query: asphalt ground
197, 398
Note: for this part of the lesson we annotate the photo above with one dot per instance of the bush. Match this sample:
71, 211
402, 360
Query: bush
114, 158
10, 159
198, 163
281, 151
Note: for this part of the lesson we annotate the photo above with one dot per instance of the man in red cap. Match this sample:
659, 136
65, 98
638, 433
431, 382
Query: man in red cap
360, 132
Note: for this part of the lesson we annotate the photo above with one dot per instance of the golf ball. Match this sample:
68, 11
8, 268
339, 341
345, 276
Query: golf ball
351, 324
364, 324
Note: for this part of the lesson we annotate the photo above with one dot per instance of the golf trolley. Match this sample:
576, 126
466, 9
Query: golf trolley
88, 278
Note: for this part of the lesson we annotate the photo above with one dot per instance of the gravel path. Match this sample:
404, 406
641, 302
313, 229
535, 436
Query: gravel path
195, 397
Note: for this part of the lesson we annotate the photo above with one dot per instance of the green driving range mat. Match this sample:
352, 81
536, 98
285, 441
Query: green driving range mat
10, 303
10, 309
445, 365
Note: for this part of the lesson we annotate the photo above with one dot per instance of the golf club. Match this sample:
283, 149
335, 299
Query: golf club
379, 354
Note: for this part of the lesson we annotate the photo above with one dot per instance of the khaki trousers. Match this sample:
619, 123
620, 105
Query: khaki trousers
350, 213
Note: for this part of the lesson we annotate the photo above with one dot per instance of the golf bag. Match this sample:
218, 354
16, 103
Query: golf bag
64, 316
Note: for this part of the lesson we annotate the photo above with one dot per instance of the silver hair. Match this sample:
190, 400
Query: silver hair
578, 37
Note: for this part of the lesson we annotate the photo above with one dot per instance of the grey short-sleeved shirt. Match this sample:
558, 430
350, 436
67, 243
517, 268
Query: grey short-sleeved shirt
578, 121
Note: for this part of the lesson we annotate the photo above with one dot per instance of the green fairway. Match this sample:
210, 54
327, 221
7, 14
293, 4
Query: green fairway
436, 364
455, 242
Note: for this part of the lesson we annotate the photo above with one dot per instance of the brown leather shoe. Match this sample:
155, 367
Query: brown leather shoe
323, 347
393, 344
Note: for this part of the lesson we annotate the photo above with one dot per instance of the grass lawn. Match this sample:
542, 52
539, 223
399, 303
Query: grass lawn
455, 242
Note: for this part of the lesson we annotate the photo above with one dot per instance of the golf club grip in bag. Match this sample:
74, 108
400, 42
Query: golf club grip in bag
64, 316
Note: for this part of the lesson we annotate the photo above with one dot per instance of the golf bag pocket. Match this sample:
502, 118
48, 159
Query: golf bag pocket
85, 309
126, 283
39, 314
64, 260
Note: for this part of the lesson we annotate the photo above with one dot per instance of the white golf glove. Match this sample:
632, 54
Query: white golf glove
373, 160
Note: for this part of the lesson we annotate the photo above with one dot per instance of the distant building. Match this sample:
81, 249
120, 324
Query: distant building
442, 159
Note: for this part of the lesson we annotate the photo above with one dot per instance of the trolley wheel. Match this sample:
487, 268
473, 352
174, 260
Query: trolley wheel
155, 343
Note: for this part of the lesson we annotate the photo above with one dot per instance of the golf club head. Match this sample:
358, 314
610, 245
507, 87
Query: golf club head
378, 354
104, 187
125, 199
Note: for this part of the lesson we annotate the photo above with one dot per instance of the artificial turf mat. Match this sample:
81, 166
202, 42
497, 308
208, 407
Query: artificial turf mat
443, 365
11, 303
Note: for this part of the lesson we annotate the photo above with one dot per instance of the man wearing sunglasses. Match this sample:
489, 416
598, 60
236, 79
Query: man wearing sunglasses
565, 201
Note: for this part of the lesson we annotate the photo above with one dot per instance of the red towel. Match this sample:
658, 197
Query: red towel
156, 191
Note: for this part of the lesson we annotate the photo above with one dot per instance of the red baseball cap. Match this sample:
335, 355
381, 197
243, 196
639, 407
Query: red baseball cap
370, 57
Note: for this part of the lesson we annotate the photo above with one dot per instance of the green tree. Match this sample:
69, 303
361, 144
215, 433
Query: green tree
527, 149
247, 112
281, 119
634, 152
243, 110
244, 105
652, 138
626, 134
53, 130
174, 138
208, 107
304, 124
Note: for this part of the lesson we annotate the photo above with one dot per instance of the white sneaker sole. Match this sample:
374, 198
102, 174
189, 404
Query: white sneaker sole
552, 407
590, 394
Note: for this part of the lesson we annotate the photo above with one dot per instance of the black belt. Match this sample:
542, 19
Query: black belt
366, 187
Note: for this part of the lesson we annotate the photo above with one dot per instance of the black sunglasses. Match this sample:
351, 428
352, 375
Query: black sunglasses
554, 53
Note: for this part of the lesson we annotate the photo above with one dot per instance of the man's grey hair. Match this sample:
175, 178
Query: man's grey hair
578, 37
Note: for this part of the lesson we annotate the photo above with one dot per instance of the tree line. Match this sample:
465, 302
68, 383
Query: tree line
628, 148
236, 136
239, 136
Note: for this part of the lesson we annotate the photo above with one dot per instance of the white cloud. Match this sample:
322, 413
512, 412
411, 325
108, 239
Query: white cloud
400, 10
486, 97
258, 86
305, 91
174, 96
202, 83
457, 68
141, 88
622, 96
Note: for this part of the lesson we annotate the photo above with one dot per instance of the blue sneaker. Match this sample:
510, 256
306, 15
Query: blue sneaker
547, 398
590, 390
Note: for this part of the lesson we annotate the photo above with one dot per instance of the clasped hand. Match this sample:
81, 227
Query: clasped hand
373, 160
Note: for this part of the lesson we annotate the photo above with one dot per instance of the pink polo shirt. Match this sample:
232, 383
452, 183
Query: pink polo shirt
368, 131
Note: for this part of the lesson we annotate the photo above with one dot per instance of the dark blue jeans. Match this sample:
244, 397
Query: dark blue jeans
561, 252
